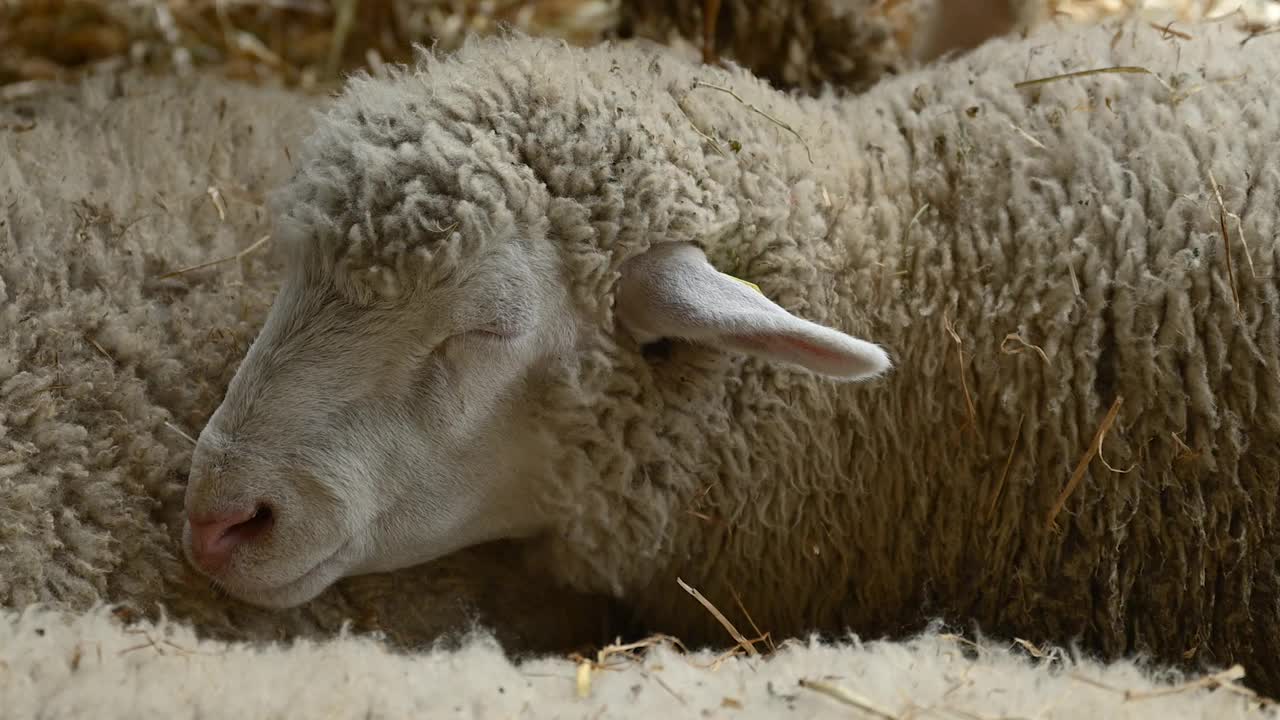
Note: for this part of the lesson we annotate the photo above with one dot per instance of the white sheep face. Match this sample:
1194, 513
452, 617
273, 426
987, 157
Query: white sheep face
358, 439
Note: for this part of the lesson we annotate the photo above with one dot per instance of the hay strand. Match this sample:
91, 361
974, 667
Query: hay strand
1117, 69
733, 631
98, 346
1032, 649
715, 144
758, 111
1226, 241
625, 649
964, 382
1028, 136
1004, 474
181, 432
1184, 451
243, 253
583, 679
1102, 459
762, 635
1226, 680
215, 195
1025, 345
846, 697
1222, 211
1167, 31
914, 219
1094, 448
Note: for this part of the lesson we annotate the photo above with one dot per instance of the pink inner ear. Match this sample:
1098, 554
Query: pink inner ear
812, 349
788, 346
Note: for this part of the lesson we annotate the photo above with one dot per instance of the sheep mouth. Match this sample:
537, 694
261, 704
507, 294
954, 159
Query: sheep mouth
299, 590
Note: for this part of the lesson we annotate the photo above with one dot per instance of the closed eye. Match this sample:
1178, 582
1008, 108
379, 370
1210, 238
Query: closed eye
477, 338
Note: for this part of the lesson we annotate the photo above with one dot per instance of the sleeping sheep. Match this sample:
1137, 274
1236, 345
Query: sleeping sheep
981, 344
118, 335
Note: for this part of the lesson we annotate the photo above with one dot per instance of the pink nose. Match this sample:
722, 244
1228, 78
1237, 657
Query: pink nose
215, 536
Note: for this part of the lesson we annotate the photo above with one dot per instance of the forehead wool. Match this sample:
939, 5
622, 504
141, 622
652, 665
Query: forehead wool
403, 180
406, 177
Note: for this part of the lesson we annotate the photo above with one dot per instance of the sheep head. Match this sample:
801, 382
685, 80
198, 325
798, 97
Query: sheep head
359, 437
394, 407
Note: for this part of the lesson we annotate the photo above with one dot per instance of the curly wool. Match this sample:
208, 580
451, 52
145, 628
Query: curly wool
1031, 256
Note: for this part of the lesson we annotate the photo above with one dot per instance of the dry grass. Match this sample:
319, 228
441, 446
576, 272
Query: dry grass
743, 642
303, 43
210, 263
311, 43
1097, 71
758, 111
1094, 450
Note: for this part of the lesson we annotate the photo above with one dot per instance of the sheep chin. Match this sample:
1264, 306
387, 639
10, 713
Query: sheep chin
299, 590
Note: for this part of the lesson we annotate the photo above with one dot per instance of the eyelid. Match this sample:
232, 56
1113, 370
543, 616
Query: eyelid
481, 334
500, 327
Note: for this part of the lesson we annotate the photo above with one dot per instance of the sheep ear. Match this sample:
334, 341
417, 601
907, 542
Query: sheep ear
671, 291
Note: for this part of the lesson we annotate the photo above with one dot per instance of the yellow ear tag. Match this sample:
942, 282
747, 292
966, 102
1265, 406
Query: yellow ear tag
751, 285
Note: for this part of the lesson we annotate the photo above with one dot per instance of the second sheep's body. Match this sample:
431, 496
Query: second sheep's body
1080, 437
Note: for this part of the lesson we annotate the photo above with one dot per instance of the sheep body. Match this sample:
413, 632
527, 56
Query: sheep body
1033, 258
81, 259
91, 465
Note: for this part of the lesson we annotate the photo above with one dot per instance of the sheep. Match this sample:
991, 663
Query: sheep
100, 380
1076, 439
112, 349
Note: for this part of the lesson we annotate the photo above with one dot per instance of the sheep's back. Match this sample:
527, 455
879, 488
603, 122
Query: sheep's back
1081, 435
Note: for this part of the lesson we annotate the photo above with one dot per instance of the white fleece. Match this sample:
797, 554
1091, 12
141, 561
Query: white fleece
89, 666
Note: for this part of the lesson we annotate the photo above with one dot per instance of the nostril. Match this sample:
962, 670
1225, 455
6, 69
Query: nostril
260, 522
215, 536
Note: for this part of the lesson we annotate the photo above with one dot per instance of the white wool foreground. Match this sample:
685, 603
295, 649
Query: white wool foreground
55, 665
